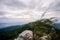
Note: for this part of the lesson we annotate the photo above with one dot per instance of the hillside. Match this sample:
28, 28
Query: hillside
39, 28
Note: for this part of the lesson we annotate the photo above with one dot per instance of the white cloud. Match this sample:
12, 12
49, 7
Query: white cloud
25, 1
28, 9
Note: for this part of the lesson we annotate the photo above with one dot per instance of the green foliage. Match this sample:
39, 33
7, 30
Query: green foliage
39, 28
12, 32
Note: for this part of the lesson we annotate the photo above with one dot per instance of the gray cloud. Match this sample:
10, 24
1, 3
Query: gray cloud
56, 6
10, 10
2, 13
13, 3
38, 5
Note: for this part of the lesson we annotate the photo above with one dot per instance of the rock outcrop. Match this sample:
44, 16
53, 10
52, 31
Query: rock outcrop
43, 38
25, 35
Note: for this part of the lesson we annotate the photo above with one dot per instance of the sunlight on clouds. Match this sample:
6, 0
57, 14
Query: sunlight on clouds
14, 16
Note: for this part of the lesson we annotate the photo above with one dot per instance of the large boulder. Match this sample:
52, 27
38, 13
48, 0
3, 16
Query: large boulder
25, 35
44, 38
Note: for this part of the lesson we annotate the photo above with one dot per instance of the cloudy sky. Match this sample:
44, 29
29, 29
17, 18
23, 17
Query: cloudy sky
24, 11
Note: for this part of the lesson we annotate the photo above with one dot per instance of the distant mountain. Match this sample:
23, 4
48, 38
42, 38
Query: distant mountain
3, 25
58, 26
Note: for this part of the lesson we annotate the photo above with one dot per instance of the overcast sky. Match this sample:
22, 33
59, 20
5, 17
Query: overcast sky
23, 11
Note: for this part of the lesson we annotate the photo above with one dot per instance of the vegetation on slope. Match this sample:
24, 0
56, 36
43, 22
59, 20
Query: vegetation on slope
39, 28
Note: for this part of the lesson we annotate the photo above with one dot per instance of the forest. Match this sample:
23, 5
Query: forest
39, 28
